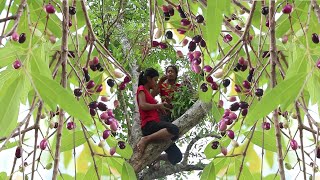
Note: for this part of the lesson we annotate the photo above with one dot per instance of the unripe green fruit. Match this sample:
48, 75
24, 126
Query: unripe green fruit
49, 166
288, 166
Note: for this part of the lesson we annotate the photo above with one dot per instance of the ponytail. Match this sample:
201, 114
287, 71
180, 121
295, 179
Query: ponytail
150, 72
142, 79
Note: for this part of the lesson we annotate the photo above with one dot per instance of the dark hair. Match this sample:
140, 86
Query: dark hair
150, 72
174, 68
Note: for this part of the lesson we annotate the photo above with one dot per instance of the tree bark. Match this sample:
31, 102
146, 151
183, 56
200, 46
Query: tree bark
168, 169
186, 122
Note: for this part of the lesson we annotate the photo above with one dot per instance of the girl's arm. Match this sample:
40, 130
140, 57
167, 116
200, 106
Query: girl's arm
147, 106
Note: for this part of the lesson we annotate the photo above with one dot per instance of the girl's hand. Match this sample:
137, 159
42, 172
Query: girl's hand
162, 79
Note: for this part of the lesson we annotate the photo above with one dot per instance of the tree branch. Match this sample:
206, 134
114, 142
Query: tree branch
64, 56
8, 18
168, 169
187, 121
187, 152
316, 9
273, 59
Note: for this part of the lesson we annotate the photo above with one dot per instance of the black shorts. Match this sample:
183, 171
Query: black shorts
153, 126
173, 152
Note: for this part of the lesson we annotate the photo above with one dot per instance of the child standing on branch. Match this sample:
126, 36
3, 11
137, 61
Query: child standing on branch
152, 128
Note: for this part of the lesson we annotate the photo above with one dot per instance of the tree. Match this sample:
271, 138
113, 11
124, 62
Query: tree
75, 64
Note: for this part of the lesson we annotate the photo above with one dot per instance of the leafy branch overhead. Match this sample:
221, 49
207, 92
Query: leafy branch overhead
250, 75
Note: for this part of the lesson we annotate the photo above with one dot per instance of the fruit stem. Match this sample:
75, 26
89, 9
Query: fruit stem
300, 126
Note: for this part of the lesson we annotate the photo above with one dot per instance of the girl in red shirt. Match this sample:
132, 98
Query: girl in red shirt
152, 128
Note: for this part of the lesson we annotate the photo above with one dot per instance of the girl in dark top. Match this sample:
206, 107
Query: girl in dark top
152, 128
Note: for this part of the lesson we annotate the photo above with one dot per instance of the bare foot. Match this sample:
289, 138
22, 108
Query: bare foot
142, 145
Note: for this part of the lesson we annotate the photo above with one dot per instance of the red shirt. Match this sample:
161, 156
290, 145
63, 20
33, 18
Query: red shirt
150, 115
167, 90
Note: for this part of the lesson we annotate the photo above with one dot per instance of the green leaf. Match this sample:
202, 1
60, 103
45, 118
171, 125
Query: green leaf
67, 140
214, 19
52, 92
3, 176
2, 5
7, 76
208, 172
285, 91
40, 63
205, 96
245, 174
128, 172
9, 106
216, 112
258, 139
116, 163
13, 144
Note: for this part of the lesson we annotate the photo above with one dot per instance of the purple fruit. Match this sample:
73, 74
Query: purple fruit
155, 43
294, 144
259, 92
121, 144
99, 88
237, 88
267, 23
185, 22
112, 151
208, 68
287, 9
233, 116
214, 86
92, 112
163, 45
318, 64
246, 84
90, 84
230, 134
43, 144
244, 112
203, 43
215, 144
199, 19
106, 134
204, 87
196, 61
222, 125
16, 64
77, 92
315, 38
197, 38
93, 105
318, 152
71, 125
22, 38
209, 79
227, 38
192, 46
104, 116
15, 36
50, 9
109, 120
266, 125
110, 82
18, 153
126, 79
226, 82
122, 86
102, 106
235, 106
114, 125
244, 105
224, 151
265, 10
